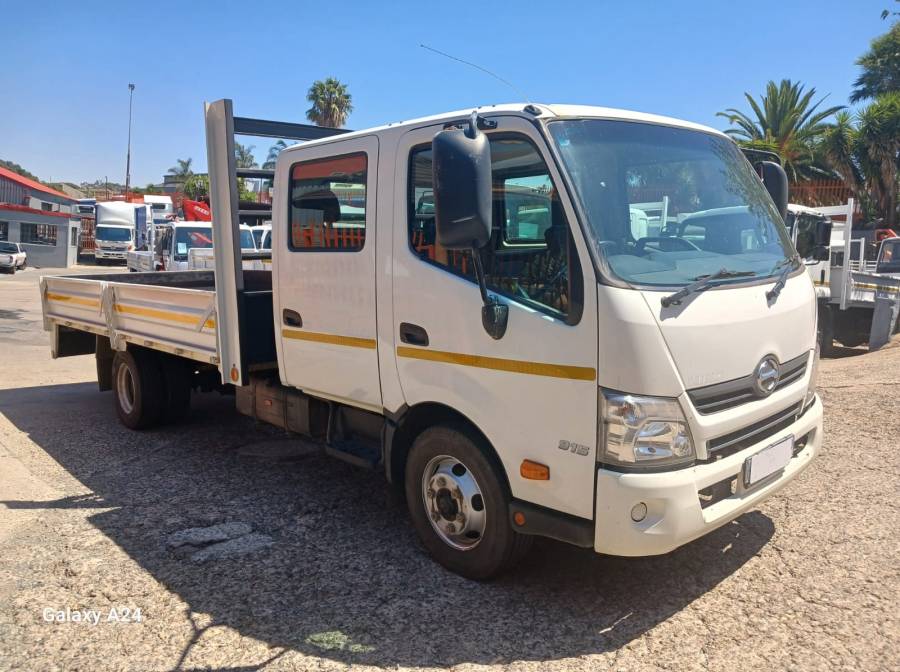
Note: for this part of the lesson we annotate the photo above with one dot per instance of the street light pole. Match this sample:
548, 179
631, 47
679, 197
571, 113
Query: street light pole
128, 159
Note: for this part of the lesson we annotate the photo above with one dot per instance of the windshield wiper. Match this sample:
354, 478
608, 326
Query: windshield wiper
702, 282
788, 265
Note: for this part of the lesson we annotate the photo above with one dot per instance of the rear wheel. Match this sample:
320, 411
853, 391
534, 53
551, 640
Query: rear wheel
459, 504
138, 388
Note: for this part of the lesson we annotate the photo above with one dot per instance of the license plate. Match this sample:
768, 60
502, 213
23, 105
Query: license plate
768, 461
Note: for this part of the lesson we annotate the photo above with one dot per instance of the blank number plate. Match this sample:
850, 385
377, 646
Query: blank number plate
768, 461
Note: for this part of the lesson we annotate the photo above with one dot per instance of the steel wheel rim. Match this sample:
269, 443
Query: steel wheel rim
453, 502
125, 389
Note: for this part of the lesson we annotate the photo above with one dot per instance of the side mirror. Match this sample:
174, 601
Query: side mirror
820, 253
461, 165
461, 161
775, 180
823, 233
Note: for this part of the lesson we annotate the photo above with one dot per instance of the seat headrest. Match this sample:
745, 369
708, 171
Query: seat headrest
323, 200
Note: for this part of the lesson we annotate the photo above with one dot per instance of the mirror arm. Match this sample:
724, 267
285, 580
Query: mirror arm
479, 275
494, 314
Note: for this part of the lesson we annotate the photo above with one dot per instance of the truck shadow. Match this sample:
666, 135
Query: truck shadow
346, 578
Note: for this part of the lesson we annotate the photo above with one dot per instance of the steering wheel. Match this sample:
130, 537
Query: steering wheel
667, 241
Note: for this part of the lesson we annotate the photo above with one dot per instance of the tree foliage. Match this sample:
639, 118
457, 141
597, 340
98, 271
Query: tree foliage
243, 156
19, 170
331, 103
272, 156
182, 169
864, 149
880, 67
196, 186
787, 121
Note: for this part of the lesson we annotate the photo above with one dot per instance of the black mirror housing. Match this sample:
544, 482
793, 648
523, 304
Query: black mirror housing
461, 161
775, 180
820, 253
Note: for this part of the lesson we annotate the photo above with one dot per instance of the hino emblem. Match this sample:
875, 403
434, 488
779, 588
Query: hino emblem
767, 375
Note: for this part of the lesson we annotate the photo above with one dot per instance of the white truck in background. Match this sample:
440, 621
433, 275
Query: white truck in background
161, 208
114, 233
560, 366
848, 286
252, 258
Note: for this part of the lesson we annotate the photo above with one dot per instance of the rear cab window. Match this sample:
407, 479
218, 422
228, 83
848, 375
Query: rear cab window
328, 204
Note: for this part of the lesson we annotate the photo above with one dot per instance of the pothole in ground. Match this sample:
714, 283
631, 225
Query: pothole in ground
225, 540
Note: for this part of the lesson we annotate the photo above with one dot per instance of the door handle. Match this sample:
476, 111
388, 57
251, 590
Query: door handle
413, 334
291, 318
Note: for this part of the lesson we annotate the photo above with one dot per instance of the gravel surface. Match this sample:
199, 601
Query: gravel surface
810, 581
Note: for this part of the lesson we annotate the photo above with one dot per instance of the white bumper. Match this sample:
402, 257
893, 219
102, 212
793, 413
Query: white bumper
674, 512
110, 254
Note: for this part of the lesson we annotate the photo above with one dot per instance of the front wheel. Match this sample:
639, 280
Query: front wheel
459, 504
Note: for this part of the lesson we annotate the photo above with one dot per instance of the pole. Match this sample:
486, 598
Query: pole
128, 158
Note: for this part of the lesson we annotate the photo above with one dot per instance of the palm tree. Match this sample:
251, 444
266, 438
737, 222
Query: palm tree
182, 171
331, 103
865, 152
784, 120
243, 156
880, 67
274, 151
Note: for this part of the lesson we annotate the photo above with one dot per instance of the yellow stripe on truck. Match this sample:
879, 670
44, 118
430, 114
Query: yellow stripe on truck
332, 339
497, 364
164, 315
78, 301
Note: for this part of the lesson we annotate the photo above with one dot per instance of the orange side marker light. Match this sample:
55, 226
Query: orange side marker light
534, 471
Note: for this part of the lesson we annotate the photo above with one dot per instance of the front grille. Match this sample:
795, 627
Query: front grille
731, 443
731, 393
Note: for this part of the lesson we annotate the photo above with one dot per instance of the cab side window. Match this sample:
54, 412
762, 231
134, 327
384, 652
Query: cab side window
531, 257
328, 204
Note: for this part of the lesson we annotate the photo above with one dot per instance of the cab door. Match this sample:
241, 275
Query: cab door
533, 392
324, 269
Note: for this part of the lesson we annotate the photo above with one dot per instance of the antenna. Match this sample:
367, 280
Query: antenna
478, 67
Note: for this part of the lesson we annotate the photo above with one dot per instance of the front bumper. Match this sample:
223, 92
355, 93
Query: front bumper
110, 254
675, 515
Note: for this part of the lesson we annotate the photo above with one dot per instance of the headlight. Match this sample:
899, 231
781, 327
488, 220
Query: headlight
813, 379
6, 259
643, 432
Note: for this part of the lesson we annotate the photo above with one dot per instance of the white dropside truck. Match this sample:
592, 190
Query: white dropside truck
848, 287
114, 230
517, 366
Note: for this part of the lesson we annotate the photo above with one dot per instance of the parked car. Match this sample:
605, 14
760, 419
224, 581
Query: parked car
12, 257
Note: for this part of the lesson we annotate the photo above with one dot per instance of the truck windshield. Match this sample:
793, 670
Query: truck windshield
667, 206
8, 247
115, 234
187, 238
889, 256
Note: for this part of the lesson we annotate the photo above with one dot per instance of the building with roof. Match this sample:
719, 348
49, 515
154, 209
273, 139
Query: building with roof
41, 218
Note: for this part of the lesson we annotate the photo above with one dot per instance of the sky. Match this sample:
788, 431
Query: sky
67, 66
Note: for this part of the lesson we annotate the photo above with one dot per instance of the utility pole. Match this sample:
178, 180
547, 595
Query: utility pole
128, 159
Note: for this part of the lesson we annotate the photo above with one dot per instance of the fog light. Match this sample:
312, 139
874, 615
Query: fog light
638, 512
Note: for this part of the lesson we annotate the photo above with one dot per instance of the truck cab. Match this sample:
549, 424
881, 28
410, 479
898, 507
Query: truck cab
114, 234
601, 404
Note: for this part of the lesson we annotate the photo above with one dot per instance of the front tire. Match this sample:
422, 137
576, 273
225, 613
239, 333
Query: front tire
139, 388
459, 504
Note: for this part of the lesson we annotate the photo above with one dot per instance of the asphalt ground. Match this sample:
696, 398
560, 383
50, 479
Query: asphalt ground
809, 581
